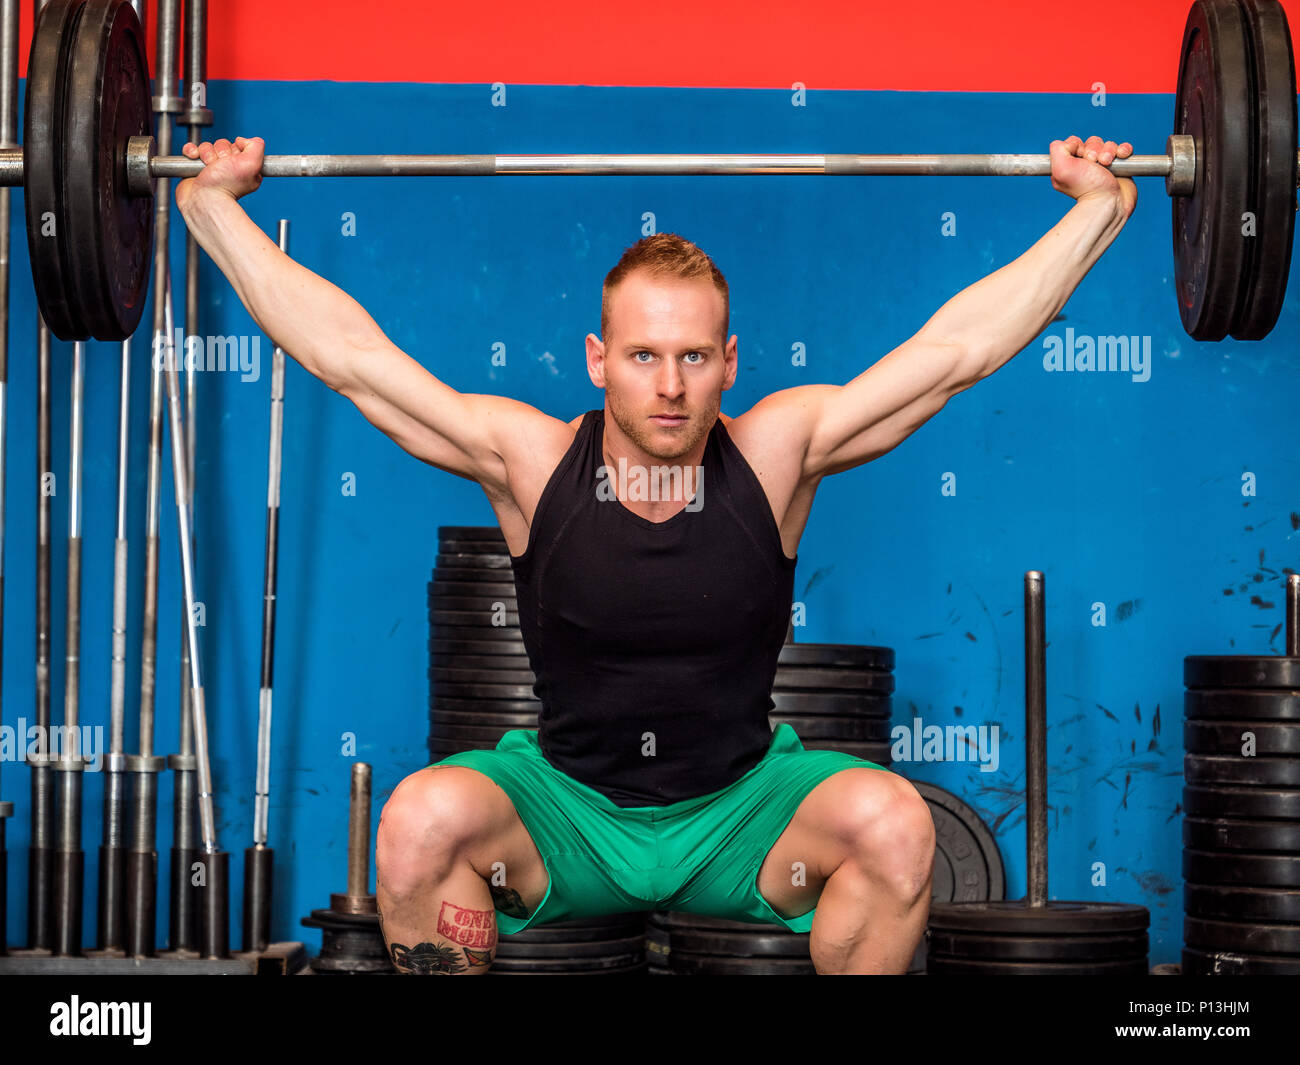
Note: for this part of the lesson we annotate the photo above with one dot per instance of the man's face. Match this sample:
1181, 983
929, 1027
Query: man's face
664, 365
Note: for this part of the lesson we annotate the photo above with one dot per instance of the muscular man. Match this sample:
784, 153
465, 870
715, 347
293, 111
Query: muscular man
653, 621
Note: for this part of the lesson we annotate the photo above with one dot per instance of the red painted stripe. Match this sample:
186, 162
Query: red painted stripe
953, 45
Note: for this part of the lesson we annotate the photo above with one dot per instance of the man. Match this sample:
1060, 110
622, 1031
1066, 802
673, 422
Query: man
653, 620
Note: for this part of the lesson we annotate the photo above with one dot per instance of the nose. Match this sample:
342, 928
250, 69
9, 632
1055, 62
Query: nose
670, 383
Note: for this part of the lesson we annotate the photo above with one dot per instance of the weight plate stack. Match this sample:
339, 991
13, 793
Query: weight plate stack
350, 944
599, 946
687, 944
836, 697
1241, 825
480, 680
1058, 939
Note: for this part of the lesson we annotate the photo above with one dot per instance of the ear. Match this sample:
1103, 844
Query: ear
732, 362
596, 360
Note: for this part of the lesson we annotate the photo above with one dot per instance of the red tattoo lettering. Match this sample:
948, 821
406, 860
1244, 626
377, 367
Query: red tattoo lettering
470, 928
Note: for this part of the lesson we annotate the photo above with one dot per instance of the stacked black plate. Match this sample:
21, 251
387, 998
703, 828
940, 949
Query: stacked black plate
480, 683
599, 946
1241, 829
837, 697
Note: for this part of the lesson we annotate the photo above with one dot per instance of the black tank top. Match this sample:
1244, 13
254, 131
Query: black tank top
654, 644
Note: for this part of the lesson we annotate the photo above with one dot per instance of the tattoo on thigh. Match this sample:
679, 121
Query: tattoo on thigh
469, 928
478, 958
508, 901
427, 959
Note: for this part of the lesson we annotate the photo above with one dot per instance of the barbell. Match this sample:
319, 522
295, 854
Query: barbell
88, 164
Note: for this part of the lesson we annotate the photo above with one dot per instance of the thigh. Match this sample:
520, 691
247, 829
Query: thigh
820, 836
501, 849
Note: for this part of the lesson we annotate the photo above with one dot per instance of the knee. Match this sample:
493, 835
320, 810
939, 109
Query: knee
892, 835
426, 824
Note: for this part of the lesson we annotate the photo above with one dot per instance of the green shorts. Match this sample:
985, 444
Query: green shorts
700, 855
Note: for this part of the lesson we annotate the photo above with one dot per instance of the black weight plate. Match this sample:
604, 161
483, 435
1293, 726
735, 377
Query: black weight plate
451, 645
471, 532
1244, 870
466, 575
440, 674
108, 233
506, 640
491, 640
486, 706
638, 969
872, 752
475, 589
706, 965
1235, 770
1057, 918
1273, 106
1211, 963
44, 128
488, 618
560, 965
1215, 901
488, 662
739, 944
832, 703
480, 621
472, 547
1259, 836
968, 864
970, 967
614, 926
505, 721
837, 655
487, 604
947, 945
1242, 704
1268, 737
483, 691
875, 681
676, 919
1210, 252
1251, 804
496, 564
860, 729
510, 947
1241, 671
1239, 937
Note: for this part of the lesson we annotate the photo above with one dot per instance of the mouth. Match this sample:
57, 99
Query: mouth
668, 420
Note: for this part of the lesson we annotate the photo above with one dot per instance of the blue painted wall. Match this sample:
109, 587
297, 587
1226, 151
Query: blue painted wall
1125, 493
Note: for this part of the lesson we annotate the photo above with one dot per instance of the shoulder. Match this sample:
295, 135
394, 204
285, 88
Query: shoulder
783, 419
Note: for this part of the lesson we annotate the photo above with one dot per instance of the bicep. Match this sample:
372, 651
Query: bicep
884, 405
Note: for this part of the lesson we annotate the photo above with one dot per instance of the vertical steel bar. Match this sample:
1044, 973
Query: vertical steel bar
1036, 737
1293, 615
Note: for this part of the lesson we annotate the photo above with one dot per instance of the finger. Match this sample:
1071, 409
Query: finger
1125, 150
207, 153
190, 151
1093, 148
1107, 154
1073, 144
223, 147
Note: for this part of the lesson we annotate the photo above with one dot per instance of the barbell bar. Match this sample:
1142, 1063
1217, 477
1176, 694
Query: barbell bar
1177, 167
1231, 167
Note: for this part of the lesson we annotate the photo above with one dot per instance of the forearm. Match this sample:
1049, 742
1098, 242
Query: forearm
993, 319
315, 322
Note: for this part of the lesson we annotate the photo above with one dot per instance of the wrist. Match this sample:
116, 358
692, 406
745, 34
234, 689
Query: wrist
1105, 202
